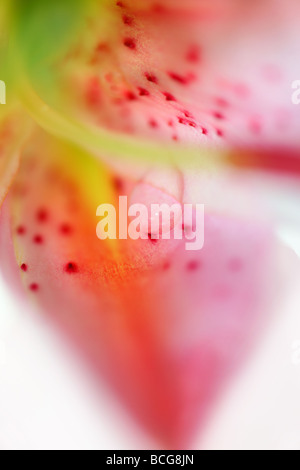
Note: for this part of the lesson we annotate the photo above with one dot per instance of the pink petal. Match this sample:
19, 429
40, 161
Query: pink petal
165, 326
206, 73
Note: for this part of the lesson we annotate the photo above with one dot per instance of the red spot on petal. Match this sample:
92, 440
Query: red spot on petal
143, 92
193, 266
24, 267
153, 124
102, 47
187, 114
151, 78
194, 54
118, 184
65, 229
42, 215
130, 96
71, 268
130, 43
186, 122
21, 230
169, 96
179, 78
127, 20
218, 115
38, 239
34, 287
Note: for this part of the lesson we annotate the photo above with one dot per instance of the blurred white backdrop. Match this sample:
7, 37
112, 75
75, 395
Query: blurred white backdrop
47, 398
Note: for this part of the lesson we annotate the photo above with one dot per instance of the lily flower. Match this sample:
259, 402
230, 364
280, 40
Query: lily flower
158, 101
